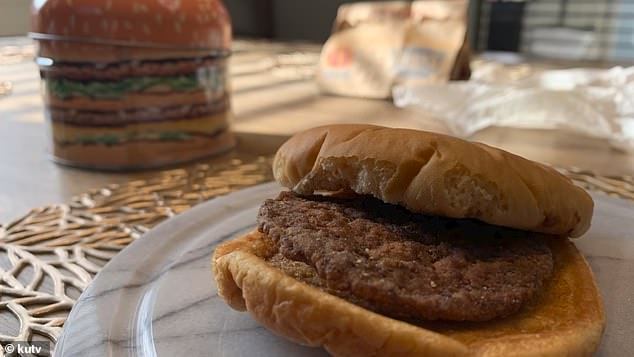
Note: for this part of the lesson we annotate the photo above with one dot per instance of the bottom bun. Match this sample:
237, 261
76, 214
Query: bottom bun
566, 319
143, 153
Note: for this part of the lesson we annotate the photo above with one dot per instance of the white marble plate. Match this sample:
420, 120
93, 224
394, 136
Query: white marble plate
158, 297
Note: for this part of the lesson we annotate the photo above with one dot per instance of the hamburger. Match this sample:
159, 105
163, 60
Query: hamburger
134, 83
403, 242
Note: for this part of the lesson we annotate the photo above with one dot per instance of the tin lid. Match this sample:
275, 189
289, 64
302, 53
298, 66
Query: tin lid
177, 24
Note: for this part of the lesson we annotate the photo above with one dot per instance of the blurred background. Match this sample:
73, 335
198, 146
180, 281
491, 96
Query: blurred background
589, 30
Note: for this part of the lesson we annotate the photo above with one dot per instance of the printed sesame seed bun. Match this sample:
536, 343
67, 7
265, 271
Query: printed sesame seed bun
75, 30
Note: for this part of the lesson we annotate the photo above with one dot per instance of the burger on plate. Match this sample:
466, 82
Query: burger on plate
131, 84
396, 242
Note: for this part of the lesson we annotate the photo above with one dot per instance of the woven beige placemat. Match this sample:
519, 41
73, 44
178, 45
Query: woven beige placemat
50, 255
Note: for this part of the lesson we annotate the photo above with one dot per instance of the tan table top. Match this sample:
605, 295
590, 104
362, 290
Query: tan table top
274, 96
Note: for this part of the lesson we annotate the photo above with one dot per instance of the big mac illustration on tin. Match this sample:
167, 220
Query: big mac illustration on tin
134, 84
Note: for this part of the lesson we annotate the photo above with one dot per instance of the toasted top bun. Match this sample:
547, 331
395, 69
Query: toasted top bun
434, 174
566, 319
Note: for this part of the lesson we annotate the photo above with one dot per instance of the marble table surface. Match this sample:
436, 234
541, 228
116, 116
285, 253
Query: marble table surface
158, 297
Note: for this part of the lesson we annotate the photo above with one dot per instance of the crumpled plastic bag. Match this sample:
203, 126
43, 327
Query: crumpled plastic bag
596, 103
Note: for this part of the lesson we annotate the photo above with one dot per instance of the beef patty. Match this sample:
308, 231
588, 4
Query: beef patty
126, 69
404, 265
81, 117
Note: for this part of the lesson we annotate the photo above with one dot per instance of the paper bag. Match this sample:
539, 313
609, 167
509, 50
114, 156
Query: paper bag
377, 45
